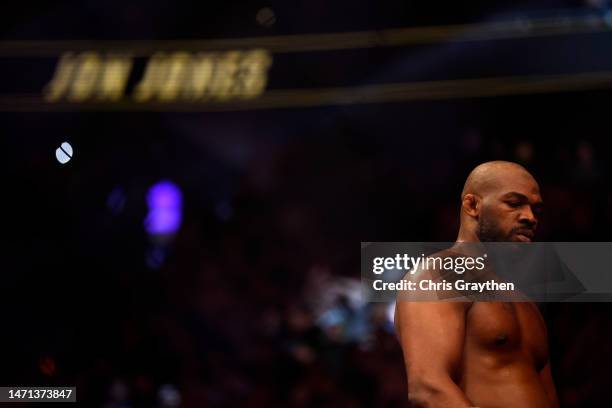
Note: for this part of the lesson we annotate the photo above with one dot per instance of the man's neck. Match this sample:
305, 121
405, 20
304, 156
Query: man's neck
466, 235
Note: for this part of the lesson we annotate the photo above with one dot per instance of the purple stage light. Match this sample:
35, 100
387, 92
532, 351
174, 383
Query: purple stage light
165, 202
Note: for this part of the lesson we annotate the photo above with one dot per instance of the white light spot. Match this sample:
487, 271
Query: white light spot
64, 153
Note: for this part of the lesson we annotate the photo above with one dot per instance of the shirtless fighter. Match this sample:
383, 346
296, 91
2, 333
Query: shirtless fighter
482, 354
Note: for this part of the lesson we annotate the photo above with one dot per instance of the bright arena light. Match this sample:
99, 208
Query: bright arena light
64, 153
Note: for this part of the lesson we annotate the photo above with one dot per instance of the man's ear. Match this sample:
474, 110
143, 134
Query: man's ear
471, 205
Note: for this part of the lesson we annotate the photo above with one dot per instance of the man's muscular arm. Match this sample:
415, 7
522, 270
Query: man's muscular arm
432, 336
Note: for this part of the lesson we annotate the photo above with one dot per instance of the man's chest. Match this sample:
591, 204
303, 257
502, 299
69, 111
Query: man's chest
508, 328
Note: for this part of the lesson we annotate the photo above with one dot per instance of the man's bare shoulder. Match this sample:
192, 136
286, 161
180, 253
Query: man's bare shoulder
433, 283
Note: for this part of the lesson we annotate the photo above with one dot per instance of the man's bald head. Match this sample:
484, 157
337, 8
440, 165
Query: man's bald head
492, 175
500, 202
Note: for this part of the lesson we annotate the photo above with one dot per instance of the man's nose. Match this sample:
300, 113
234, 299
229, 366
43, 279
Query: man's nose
528, 217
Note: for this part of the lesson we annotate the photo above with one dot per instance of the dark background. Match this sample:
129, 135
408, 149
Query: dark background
237, 310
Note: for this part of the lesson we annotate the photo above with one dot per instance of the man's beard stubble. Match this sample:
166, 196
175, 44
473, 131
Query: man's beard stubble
489, 231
